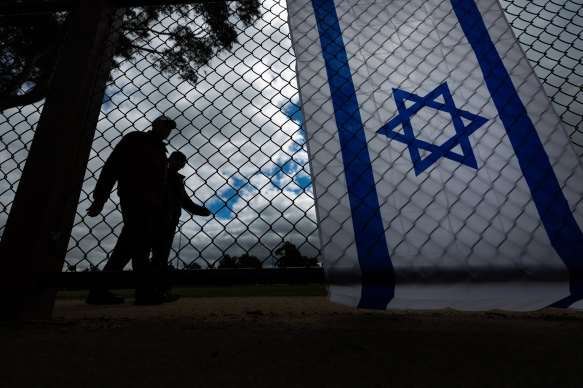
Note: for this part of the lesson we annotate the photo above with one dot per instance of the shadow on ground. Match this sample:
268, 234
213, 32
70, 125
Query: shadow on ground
289, 342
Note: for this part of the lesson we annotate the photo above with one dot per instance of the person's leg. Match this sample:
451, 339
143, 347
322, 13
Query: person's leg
118, 259
141, 229
121, 254
137, 235
162, 247
161, 252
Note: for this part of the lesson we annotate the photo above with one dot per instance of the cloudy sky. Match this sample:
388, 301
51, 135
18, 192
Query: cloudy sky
240, 128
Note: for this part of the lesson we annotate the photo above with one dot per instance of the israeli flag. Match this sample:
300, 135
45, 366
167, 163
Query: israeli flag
442, 175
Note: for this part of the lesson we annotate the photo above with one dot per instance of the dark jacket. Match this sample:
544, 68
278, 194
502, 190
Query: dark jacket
138, 163
178, 199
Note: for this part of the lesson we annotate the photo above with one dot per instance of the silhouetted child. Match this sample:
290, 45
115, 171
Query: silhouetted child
176, 200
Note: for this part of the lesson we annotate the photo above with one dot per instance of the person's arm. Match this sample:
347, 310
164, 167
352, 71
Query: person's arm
107, 179
191, 207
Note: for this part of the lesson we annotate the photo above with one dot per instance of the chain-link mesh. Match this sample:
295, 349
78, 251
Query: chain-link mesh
241, 130
246, 161
550, 33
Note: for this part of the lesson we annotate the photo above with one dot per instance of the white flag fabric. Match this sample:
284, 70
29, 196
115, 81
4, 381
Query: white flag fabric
442, 174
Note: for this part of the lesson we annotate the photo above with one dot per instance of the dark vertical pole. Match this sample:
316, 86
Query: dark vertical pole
39, 225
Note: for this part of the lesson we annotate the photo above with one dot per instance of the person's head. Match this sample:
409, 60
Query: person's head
176, 160
162, 126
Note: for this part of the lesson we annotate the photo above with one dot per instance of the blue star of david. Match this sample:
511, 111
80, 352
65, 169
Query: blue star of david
461, 137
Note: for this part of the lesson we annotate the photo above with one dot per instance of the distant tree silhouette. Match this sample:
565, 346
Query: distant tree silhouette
228, 261
312, 261
289, 256
193, 265
244, 261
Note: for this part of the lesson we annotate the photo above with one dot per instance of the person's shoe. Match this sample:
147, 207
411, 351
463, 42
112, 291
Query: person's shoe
170, 296
103, 297
148, 299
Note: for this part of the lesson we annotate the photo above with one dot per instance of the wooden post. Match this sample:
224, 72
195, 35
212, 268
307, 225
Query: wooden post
39, 226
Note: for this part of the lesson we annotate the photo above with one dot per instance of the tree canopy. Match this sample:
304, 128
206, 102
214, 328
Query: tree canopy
243, 261
290, 256
30, 44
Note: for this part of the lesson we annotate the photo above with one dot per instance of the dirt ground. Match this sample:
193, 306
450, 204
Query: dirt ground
289, 342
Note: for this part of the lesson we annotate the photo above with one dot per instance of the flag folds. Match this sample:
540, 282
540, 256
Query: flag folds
442, 175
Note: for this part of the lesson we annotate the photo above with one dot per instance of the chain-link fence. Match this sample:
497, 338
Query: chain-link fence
241, 129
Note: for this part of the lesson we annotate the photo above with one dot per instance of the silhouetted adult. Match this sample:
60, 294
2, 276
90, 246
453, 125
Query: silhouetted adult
138, 164
176, 200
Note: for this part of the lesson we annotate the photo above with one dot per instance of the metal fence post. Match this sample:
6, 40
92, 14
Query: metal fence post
40, 221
